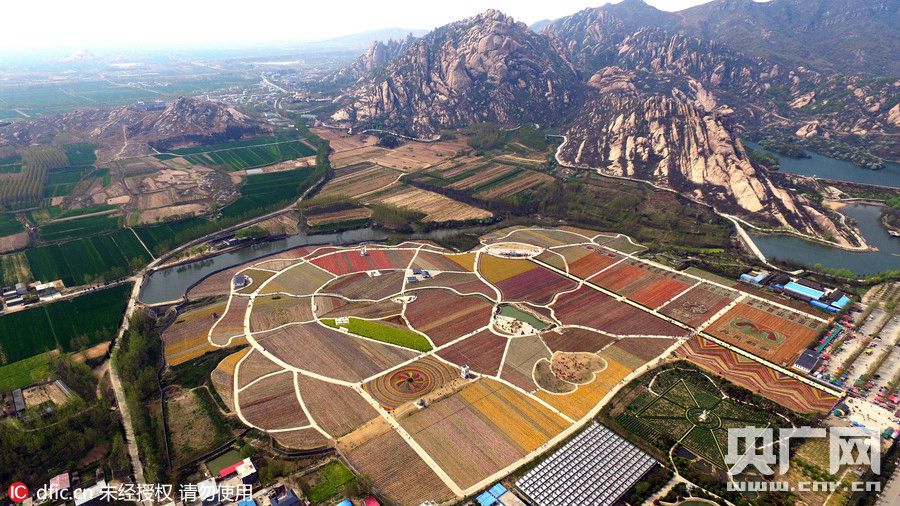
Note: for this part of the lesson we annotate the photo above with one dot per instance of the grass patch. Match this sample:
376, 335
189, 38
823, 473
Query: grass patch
330, 480
384, 333
25, 372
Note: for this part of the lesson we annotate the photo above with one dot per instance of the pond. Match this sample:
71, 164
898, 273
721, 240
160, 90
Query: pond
522, 316
868, 220
832, 168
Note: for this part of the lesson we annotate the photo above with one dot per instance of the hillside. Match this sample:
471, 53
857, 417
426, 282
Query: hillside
485, 68
130, 130
635, 92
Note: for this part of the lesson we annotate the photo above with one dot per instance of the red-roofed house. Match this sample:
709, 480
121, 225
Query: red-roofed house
245, 470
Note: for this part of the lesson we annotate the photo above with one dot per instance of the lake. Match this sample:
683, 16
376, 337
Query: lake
832, 168
867, 217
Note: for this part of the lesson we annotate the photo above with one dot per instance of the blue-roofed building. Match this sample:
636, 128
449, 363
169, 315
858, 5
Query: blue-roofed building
247, 502
807, 361
755, 278
842, 302
283, 496
803, 292
497, 490
486, 499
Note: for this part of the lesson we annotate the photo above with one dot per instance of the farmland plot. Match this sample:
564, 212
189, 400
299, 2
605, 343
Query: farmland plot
436, 207
361, 286
188, 337
301, 279
271, 311
396, 469
319, 349
337, 409
254, 366
271, 403
345, 262
482, 352
591, 308
334, 307
444, 316
575, 339
481, 429
699, 304
359, 180
521, 356
750, 374
231, 324
770, 332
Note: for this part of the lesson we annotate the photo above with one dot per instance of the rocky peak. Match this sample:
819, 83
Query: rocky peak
484, 68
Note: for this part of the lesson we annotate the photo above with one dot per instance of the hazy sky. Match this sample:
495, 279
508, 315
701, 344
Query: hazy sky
117, 24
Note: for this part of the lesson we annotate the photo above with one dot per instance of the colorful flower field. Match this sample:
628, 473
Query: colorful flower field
771, 332
756, 377
548, 324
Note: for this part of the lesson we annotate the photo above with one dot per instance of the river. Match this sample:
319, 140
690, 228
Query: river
832, 168
170, 284
868, 220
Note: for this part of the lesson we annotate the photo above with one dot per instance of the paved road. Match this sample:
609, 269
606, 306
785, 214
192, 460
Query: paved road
130, 441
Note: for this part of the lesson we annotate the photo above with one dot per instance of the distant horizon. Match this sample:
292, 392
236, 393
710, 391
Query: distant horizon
106, 27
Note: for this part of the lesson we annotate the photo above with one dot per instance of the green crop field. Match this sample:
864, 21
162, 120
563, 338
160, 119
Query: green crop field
87, 259
69, 325
242, 143
267, 192
165, 236
9, 225
247, 153
24, 372
384, 333
12, 168
81, 154
78, 228
61, 182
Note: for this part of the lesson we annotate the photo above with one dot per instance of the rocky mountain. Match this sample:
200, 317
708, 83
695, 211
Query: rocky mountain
859, 36
375, 58
363, 40
131, 130
485, 68
681, 141
765, 94
639, 92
